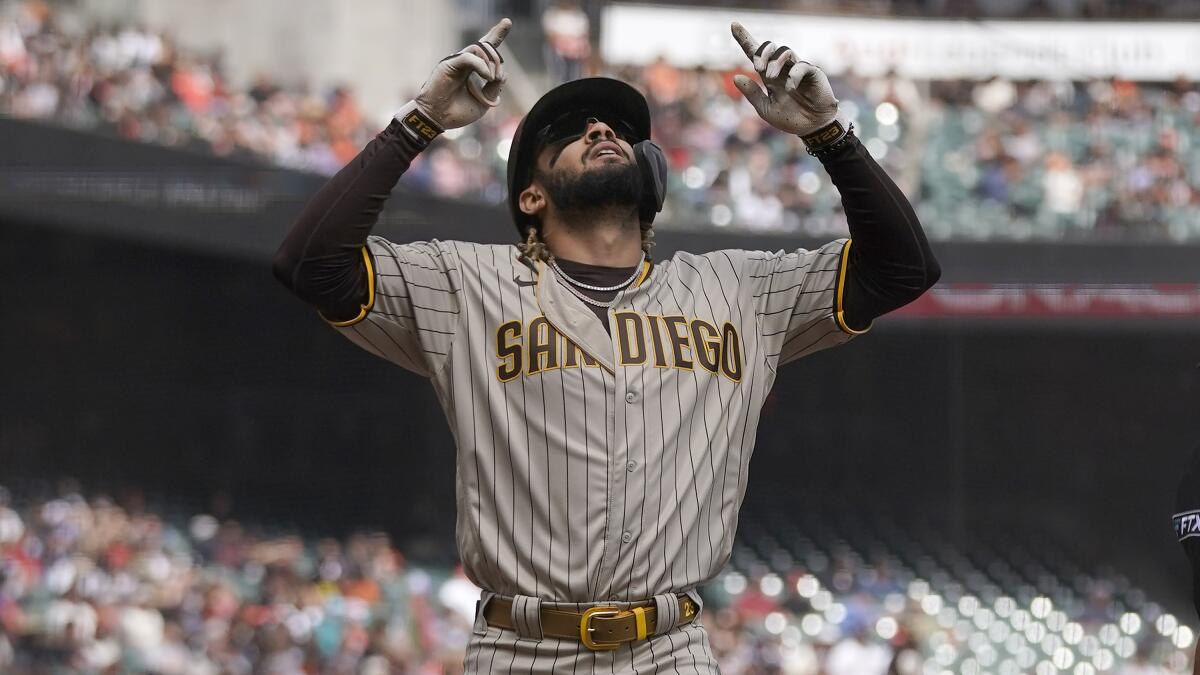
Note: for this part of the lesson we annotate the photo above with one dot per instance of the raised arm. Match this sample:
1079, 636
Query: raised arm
323, 259
889, 263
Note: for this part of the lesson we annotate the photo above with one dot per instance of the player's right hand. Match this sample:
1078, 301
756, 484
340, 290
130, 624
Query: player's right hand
463, 86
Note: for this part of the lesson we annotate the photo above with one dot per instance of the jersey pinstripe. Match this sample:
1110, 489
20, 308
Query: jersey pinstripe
593, 466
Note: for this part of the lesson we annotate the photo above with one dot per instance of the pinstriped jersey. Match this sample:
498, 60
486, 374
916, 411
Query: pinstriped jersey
598, 464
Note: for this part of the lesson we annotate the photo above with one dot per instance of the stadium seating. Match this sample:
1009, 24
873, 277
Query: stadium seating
1006, 605
1051, 161
91, 583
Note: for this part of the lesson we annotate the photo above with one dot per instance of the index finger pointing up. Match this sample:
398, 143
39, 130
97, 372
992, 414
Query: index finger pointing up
498, 32
745, 39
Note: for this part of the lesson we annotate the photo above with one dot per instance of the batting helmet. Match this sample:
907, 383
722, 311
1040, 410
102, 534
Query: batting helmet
601, 97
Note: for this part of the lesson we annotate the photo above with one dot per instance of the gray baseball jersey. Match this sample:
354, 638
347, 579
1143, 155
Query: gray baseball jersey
596, 465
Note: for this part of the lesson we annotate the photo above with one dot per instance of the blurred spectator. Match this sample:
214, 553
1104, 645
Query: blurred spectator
906, 655
568, 42
1141, 665
1062, 186
994, 96
857, 654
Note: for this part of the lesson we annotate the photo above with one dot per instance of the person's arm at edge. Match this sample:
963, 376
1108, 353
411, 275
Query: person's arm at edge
889, 263
1185, 503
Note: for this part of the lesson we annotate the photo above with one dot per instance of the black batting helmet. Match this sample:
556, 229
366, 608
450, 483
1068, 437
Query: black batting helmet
603, 96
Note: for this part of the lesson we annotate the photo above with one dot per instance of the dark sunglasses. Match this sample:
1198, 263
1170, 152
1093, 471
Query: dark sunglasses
575, 123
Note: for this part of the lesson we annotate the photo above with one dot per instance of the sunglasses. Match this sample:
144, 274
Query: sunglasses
574, 124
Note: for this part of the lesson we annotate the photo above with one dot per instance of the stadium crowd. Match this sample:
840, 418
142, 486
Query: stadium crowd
138, 84
90, 585
998, 159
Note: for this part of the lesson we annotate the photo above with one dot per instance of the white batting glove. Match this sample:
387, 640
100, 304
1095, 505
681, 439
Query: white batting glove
798, 98
465, 85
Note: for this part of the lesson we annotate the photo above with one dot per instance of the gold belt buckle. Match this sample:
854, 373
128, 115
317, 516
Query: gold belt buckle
585, 629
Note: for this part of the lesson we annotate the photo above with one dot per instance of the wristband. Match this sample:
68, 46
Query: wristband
418, 124
827, 139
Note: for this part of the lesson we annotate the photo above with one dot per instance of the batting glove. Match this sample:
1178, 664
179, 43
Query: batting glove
798, 98
464, 85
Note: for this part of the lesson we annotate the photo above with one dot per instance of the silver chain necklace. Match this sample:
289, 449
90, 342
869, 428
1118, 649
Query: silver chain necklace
597, 303
601, 289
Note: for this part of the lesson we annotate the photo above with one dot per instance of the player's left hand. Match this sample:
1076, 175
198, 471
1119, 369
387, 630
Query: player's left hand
798, 98
466, 84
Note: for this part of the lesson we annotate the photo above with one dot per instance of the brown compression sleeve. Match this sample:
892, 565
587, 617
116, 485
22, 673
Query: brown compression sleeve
321, 258
890, 263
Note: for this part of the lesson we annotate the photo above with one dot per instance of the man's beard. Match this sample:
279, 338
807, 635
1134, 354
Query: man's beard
615, 187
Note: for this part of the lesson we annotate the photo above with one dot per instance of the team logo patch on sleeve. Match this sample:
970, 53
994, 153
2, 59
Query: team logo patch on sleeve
1187, 524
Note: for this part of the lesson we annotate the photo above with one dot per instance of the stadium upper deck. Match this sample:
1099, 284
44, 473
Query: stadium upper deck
1045, 160
1018, 9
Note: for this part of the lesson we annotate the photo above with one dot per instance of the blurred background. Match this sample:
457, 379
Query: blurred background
199, 477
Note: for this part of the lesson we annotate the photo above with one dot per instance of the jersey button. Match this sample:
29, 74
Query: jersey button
631, 466
631, 397
627, 537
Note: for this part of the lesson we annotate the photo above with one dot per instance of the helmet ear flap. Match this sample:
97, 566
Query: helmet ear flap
652, 162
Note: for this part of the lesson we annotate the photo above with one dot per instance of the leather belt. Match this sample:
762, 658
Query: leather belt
599, 628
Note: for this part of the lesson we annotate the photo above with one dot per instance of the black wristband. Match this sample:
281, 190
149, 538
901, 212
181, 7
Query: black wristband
827, 139
419, 124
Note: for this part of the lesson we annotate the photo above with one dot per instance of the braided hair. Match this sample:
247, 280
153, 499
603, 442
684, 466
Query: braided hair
534, 249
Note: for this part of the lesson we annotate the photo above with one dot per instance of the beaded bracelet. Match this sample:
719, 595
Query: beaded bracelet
833, 130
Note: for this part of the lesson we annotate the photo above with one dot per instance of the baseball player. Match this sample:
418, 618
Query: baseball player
604, 404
